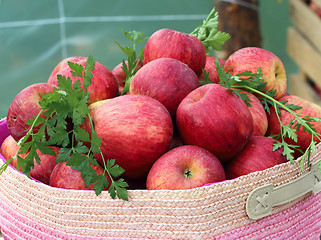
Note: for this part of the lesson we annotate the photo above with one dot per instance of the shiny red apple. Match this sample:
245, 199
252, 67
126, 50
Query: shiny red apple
215, 118
103, 84
168, 43
135, 130
166, 80
63, 176
257, 155
24, 106
307, 109
185, 167
252, 58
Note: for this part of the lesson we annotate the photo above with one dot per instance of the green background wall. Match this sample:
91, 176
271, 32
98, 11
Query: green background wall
36, 34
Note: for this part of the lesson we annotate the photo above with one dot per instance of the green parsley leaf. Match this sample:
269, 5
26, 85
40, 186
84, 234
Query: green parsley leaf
132, 62
64, 154
76, 69
101, 184
206, 80
114, 169
208, 33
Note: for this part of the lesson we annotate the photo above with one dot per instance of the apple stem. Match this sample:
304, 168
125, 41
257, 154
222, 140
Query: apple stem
188, 173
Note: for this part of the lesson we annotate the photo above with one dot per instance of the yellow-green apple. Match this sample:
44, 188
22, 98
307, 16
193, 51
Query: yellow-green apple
63, 176
174, 44
103, 84
135, 130
260, 120
24, 106
165, 79
210, 68
308, 109
257, 155
120, 74
215, 118
185, 167
251, 58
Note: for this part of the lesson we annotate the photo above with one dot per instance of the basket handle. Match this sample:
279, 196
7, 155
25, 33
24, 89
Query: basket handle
261, 200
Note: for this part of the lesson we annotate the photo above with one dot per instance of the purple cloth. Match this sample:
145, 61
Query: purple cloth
4, 132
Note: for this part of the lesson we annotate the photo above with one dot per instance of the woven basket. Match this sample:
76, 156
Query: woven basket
32, 210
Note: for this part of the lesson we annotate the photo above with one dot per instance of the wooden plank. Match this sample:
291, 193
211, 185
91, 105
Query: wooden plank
298, 86
306, 21
304, 55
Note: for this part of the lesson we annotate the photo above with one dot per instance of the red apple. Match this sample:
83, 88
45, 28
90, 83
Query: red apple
185, 167
135, 130
173, 44
9, 149
257, 155
260, 120
103, 84
210, 68
165, 79
308, 109
120, 74
42, 171
24, 106
251, 58
214, 118
63, 176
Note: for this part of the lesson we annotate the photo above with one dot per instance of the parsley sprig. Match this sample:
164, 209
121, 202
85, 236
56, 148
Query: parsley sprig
253, 83
208, 33
67, 106
132, 59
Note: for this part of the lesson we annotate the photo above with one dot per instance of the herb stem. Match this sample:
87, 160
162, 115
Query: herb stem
30, 131
101, 154
20, 143
310, 130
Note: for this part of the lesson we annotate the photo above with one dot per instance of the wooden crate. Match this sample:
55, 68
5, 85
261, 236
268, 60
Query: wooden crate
304, 47
300, 85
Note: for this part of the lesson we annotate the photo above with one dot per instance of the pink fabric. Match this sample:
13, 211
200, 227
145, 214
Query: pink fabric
4, 132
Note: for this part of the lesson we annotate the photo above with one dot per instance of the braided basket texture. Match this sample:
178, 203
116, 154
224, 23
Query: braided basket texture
33, 210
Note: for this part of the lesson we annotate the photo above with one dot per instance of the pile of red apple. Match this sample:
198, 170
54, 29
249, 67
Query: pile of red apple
169, 131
